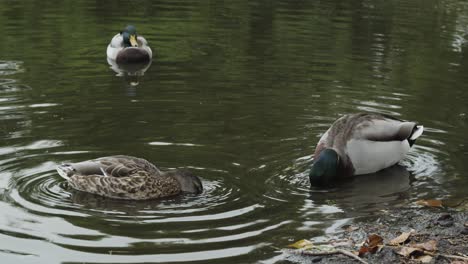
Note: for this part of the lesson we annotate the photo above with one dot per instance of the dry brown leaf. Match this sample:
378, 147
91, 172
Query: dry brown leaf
430, 203
363, 250
303, 243
401, 238
371, 245
406, 251
430, 245
374, 240
424, 259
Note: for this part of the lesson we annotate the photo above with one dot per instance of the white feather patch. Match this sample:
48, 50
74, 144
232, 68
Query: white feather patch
114, 47
104, 172
371, 156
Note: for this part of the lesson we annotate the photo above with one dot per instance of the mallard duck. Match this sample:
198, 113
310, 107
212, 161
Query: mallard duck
126, 177
128, 47
360, 144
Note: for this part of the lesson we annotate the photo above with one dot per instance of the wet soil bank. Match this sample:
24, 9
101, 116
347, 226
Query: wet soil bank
409, 235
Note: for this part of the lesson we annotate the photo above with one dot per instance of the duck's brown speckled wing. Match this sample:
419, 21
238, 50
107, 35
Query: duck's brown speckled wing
139, 186
115, 166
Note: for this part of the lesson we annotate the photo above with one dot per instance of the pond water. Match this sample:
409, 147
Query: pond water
239, 93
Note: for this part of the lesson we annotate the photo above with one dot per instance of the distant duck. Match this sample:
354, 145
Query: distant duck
361, 143
128, 47
130, 178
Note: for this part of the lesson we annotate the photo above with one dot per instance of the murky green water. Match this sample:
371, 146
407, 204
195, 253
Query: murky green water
239, 93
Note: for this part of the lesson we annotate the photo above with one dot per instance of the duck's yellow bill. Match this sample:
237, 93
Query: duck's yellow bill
133, 41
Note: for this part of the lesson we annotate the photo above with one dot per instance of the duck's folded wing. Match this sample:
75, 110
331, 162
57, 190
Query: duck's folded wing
385, 130
117, 41
142, 41
134, 188
125, 166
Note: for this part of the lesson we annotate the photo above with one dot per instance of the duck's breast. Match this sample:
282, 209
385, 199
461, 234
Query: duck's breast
133, 55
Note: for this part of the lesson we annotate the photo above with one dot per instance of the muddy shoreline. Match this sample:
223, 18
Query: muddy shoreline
445, 229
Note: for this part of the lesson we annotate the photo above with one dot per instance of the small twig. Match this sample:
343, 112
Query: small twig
453, 257
349, 254
332, 252
460, 203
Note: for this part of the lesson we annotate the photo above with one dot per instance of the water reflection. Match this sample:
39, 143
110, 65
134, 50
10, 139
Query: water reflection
368, 193
10, 67
131, 72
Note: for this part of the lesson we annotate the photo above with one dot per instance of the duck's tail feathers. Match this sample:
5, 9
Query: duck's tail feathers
417, 132
65, 171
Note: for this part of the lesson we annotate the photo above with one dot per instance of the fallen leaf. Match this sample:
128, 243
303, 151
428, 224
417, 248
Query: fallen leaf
424, 259
363, 250
430, 245
374, 240
303, 243
401, 238
371, 244
430, 203
406, 251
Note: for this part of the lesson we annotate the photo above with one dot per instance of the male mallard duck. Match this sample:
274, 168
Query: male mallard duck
126, 177
127, 47
360, 144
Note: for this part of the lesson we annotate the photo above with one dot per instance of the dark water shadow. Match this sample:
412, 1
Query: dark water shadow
368, 193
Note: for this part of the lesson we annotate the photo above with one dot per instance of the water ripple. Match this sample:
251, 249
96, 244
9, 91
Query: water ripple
10, 67
37, 197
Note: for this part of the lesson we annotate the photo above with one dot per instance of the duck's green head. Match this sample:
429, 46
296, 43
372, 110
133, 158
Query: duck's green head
129, 36
325, 168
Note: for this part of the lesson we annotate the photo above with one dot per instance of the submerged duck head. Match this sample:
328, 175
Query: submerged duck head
189, 183
129, 36
325, 168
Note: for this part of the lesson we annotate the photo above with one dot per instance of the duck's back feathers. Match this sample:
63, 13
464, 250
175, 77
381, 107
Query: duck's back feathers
373, 127
112, 166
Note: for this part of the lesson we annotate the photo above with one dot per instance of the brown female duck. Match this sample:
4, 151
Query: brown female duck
126, 177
